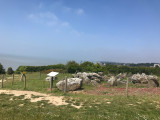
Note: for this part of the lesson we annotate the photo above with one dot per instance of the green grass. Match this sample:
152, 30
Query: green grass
94, 107
34, 83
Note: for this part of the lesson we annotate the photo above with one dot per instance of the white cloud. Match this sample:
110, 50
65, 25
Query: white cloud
46, 18
80, 11
51, 20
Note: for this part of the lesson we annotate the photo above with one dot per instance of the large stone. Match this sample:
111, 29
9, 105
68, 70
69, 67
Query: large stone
84, 75
143, 79
101, 73
86, 80
72, 84
87, 77
105, 78
121, 76
112, 81
94, 83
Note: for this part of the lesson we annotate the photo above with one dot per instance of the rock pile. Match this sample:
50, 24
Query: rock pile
72, 84
117, 80
143, 79
91, 78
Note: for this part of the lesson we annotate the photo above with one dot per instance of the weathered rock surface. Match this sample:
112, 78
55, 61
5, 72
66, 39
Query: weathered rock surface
121, 76
105, 78
143, 79
117, 80
94, 83
88, 78
72, 84
112, 81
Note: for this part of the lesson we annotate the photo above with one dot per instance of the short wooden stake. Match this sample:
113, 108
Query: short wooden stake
40, 75
24, 81
2, 81
127, 88
65, 87
13, 79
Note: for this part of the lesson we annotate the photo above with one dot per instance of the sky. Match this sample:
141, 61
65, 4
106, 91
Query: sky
87, 30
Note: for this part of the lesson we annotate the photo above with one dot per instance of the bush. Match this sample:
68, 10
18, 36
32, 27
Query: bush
10, 71
2, 70
73, 67
87, 66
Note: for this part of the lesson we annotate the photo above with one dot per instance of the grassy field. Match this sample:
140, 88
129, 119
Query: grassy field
93, 107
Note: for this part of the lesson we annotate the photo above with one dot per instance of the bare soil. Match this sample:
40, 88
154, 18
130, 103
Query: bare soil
102, 90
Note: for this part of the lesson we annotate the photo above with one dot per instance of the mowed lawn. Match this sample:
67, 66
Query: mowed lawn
93, 107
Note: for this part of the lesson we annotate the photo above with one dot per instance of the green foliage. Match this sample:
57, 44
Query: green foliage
87, 66
39, 68
2, 70
10, 71
72, 67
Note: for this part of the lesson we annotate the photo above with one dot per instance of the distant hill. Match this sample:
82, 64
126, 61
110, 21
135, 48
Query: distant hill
128, 64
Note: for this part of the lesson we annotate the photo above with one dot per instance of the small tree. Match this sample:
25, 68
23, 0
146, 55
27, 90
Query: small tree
10, 71
87, 66
72, 67
2, 70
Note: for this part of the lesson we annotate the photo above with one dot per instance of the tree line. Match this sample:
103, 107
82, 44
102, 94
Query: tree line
73, 67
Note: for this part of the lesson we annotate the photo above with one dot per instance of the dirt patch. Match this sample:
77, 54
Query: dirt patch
55, 100
3, 81
101, 90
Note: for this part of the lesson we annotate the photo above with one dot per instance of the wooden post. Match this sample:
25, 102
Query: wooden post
40, 75
51, 83
21, 77
2, 81
13, 79
24, 81
65, 87
127, 88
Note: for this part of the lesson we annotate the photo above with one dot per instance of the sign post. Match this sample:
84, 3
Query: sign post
52, 75
51, 83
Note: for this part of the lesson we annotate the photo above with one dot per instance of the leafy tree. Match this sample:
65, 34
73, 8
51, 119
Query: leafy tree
10, 71
2, 70
72, 67
87, 66
98, 68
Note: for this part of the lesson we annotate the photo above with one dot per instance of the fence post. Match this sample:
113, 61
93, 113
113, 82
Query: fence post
2, 81
65, 87
13, 79
40, 75
21, 76
24, 81
127, 88
51, 83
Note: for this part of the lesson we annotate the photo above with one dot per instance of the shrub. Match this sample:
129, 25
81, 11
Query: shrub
72, 67
2, 70
10, 71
